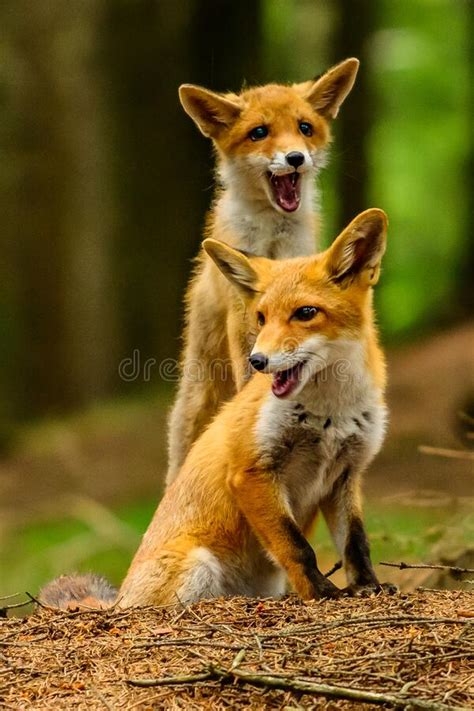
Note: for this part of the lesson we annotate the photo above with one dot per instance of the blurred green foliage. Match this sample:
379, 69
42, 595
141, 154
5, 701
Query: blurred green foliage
419, 152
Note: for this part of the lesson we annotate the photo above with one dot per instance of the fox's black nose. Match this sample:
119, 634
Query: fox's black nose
295, 159
258, 361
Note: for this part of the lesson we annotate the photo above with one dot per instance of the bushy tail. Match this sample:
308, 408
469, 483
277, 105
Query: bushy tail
73, 592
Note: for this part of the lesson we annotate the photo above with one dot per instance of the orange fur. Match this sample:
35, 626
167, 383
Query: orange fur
281, 108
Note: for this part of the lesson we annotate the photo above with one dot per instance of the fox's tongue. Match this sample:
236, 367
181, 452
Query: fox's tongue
285, 381
286, 190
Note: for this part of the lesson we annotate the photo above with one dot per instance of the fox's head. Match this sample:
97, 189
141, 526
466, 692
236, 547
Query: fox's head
309, 312
272, 139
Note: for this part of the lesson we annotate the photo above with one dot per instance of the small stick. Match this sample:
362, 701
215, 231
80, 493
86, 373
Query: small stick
428, 566
162, 681
329, 690
337, 566
36, 601
186, 643
14, 605
238, 659
289, 683
450, 453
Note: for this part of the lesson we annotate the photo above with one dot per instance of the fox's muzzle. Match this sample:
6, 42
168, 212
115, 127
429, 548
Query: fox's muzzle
258, 361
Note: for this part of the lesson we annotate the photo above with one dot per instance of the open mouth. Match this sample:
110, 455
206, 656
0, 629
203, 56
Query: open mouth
286, 190
285, 381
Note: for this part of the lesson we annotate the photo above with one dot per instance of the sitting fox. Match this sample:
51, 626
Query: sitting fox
293, 441
270, 142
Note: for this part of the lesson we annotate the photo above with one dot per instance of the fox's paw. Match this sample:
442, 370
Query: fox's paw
388, 588
328, 591
368, 590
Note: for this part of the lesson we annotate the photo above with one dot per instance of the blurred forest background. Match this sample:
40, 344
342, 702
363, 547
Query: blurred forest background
104, 184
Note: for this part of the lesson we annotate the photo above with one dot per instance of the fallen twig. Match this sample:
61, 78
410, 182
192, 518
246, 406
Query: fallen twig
450, 453
337, 566
186, 643
338, 692
36, 601
163, 681
428, 566
15, 605
293, 684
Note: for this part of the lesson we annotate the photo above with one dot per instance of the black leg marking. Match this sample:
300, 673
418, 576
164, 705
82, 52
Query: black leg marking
358, 554
367, 416
327, 423
356, 422
303, 417
306, 557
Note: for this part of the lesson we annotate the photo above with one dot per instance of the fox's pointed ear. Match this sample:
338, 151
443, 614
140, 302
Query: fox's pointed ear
327, 93
358, 251
211, 112
234, 265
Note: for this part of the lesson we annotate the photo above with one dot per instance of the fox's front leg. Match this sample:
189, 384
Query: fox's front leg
260, 499
343, 513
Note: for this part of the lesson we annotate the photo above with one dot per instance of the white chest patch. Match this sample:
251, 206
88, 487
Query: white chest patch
309, 451
262, 230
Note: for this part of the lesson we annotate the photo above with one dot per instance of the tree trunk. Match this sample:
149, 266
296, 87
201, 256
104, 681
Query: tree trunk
61, 226
355, 24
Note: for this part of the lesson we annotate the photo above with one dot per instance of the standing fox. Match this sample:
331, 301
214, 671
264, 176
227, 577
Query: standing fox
294, 440
270, 141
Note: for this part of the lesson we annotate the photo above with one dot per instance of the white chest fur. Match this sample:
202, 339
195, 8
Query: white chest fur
309, 450
258, 228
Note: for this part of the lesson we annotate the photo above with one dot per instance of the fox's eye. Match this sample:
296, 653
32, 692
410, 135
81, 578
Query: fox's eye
257, 133
260, 318
306, 128
305, 313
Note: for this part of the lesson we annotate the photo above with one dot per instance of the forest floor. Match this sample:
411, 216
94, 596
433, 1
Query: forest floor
404, 651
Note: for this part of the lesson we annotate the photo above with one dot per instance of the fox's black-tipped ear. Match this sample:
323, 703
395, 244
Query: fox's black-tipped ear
359, 249
210, 112
234, 265
327, 93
